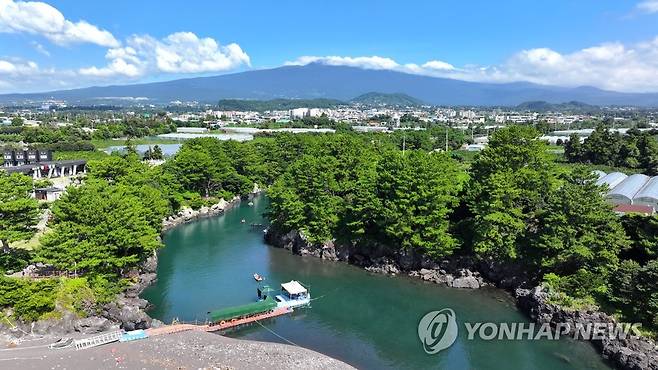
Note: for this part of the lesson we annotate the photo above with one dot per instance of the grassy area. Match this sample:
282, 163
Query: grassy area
604, 168
32, 243
88, 155
561, 161
466, 155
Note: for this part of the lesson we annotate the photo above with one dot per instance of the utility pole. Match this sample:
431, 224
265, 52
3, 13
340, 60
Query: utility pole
447, 138
404, 142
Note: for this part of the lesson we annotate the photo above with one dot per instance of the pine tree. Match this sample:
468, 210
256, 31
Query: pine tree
19, 212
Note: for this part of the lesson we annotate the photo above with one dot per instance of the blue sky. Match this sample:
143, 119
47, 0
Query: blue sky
64, 44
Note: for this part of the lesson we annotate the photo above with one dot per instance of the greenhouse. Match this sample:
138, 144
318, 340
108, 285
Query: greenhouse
625, 191
611, 179
648, 195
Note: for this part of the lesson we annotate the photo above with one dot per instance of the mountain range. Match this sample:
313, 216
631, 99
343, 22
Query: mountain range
395, 99
572, 106
343, 83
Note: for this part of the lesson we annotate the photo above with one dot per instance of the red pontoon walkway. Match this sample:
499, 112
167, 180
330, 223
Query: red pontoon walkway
176, 328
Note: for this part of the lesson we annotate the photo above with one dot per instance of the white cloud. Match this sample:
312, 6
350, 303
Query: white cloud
39, 48
439, 65
43, 19
181, 52
10, 68
648, 6
612, 66
184, 52
121, 62
371, 62
16, 74
141, 56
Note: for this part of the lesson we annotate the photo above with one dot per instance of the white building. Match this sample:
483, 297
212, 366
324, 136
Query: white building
298, 113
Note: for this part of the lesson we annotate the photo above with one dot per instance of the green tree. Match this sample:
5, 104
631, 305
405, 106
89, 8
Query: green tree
157, 153
573, 149
418, 192
17, 121
99, 228
203, 166
306, 198
634, 291
577, 235
19, 212
643, 232
509, 182
648, 147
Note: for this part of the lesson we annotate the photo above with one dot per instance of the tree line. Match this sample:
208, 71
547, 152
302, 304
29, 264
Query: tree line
514, 205
636, 149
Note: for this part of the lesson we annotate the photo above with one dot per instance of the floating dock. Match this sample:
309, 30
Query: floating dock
177, 328
293, 295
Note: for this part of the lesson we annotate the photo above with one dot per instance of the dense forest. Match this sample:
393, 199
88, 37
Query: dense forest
513, 204
636, 149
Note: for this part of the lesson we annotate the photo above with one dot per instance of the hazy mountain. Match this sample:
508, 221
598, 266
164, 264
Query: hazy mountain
343, 83
542, 106
276, 104
397, 99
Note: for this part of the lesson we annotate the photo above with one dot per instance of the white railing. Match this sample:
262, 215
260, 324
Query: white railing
97, 340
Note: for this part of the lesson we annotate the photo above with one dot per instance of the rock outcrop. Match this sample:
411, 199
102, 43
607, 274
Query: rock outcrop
457, 273
297, 243
188, 214
632, 352
127, 311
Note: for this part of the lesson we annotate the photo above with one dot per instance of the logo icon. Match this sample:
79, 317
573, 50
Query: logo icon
438, 330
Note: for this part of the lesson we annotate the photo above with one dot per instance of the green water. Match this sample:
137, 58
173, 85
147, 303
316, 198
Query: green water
367, 320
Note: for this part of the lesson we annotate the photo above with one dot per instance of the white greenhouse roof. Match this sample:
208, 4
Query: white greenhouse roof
612, 179
630, 186
649, 191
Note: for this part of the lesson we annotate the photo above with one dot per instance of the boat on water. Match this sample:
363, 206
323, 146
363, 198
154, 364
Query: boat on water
258, 277
270, 304
293, 294
233, 316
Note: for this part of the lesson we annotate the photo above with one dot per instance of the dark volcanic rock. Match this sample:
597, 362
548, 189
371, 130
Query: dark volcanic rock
128, 313
636, 353
468, 282
297, 243
92, 325
631, 352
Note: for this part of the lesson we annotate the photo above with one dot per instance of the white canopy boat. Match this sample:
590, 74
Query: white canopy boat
293, 294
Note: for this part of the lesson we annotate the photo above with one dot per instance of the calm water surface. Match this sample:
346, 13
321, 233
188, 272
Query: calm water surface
367, 320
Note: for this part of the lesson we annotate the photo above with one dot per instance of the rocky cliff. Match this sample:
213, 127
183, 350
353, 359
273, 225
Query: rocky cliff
632, 352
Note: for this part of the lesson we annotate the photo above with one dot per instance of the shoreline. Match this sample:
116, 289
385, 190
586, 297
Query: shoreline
184, 350
128, 312
630, 353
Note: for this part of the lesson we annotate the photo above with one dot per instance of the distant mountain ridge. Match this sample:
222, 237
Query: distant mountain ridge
314, 81
395, 99
276, 104
542, 106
